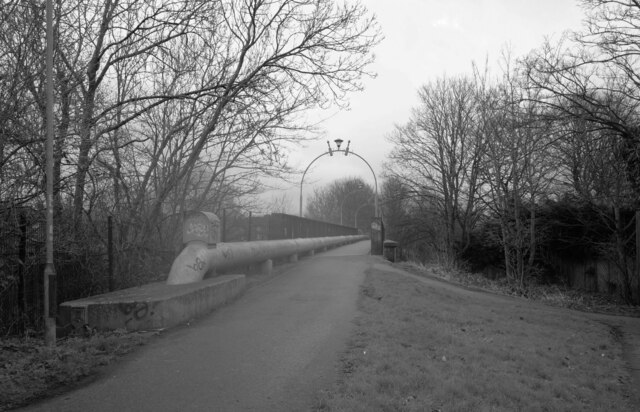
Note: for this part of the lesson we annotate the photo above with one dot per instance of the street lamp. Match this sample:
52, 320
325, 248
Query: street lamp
346, 152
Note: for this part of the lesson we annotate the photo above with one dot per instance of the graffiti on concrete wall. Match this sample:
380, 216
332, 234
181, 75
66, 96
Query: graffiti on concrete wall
137, 311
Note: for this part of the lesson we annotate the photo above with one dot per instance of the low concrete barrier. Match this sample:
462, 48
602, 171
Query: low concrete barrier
151, 306
198, 258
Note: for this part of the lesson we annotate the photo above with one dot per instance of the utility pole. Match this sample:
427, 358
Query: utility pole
49, 270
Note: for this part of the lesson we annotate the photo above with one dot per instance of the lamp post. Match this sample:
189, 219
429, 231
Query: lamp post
49, 281
346, 152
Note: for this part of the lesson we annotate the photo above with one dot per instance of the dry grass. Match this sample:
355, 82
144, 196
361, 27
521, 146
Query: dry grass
29, 370
436, 347
553, 295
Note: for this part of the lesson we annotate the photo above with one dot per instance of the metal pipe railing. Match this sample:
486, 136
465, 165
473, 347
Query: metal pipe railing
198, 258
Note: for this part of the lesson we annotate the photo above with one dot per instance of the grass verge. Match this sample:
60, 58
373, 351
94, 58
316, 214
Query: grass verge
554, 295
436, 347
29, 370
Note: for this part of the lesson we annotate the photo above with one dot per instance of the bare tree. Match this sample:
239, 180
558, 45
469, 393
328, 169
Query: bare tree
517, 168
594, 75
21, 102
166, 106
339, 202
590, 80
281, 203
595, 166
439, 152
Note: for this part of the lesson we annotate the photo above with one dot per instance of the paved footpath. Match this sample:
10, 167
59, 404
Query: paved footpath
271, 350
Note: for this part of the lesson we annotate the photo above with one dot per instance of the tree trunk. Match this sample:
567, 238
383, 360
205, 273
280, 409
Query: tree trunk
625, 292
59, 144
86, 123
83, 164
532, 235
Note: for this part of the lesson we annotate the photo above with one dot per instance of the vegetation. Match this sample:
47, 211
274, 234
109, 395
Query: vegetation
415, 347
31, 370
348, 202
161, 107
542, 155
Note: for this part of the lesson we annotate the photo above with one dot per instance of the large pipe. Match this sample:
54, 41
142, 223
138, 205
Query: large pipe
197, 258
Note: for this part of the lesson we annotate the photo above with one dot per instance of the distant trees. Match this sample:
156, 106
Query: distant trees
348, 202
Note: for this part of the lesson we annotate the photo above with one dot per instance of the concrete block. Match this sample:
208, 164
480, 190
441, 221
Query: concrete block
152, 306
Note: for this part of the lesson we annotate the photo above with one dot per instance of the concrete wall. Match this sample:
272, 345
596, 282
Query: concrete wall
151, 306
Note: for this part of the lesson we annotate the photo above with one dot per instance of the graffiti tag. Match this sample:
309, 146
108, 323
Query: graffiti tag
199, 229
136, 311
198, 265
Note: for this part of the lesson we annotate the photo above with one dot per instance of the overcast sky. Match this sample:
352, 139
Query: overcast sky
424, 40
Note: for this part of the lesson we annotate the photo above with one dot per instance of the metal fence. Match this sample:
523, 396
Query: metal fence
237, 227
20, 258
282, 226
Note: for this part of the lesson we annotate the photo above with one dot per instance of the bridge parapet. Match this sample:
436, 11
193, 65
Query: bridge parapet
202, 254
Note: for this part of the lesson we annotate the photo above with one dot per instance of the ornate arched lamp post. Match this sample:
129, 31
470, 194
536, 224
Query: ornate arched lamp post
346, 152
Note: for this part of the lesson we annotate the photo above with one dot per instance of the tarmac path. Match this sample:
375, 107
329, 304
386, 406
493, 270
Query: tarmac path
270, 350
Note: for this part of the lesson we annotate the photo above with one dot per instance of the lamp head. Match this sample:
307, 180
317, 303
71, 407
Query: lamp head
338, 142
